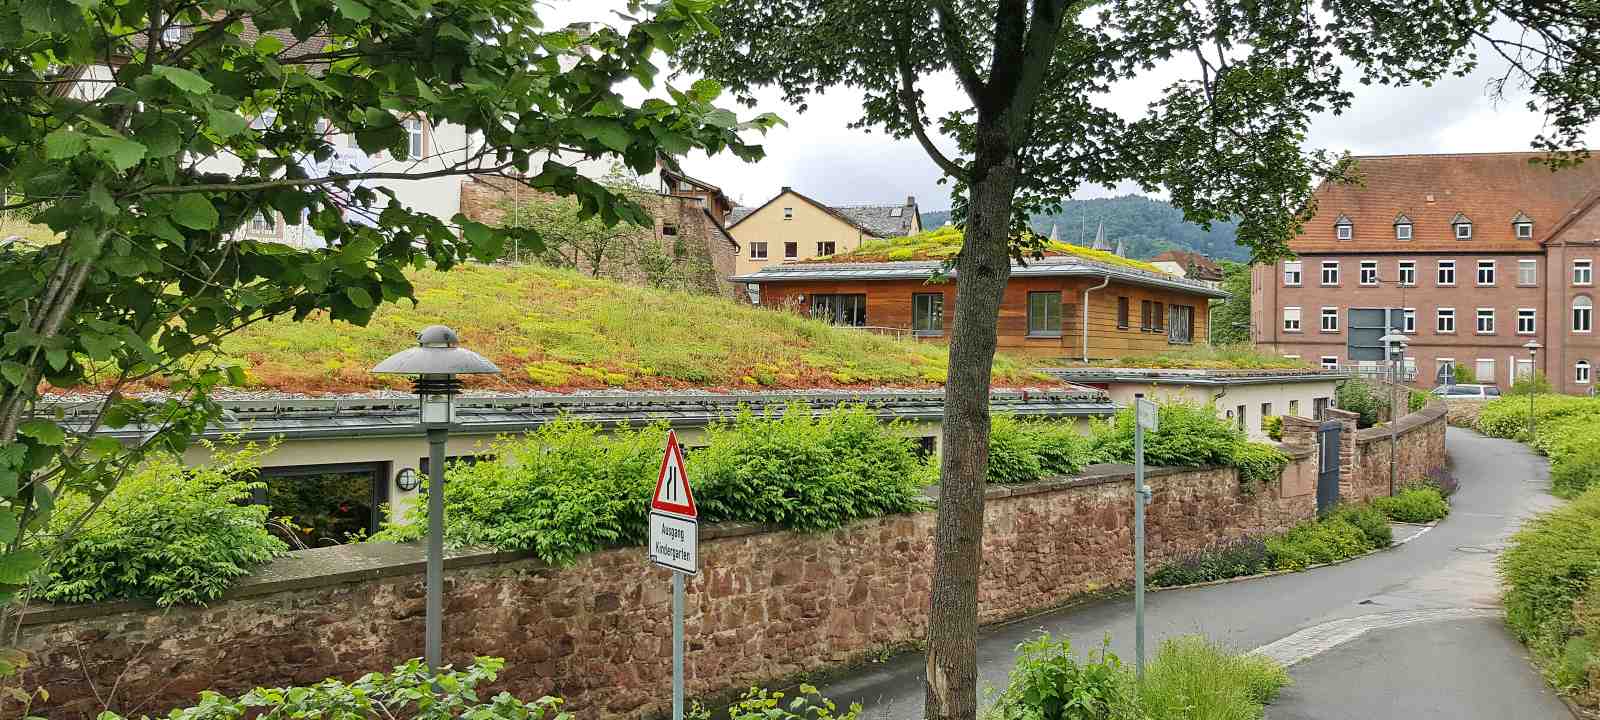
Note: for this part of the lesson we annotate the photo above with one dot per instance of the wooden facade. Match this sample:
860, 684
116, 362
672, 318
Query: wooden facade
889, 304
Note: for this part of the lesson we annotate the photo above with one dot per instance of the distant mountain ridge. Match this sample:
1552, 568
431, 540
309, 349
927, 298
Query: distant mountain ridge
1146, 226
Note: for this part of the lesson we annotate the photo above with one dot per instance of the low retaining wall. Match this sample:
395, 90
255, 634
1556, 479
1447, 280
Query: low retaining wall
767, 605
1419, 442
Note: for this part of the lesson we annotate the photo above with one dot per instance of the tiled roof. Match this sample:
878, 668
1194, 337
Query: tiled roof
881, 220
1431, 190
1186, 259
739, 212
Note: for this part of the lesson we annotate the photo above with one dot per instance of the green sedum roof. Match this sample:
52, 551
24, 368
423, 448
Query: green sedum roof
944, 242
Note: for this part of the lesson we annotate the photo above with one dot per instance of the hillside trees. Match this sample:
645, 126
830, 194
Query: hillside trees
144, 134
1029, 129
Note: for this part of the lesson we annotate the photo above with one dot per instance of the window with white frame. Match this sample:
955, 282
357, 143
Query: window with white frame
414, 135
1344, 231
1402, 231
1485, 321
1408, 323
1524, 369
1582, 314
1330, 272
1330, 319
1528, 272
1485, 273
1463, 229
1408, 272
1582, 272
758, 250
1580, 372
262, 224
788, 213
1441, 363
1484, 370
1527, 321
1447, 273
1524, 230
1330, 362
1445, 320
172, 33
1291, 273
1369, 272
1291, 319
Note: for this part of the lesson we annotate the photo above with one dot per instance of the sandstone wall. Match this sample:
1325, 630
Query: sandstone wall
1420, 443
767, 604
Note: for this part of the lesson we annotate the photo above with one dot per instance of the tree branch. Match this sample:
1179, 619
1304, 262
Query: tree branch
913, 112
957, 52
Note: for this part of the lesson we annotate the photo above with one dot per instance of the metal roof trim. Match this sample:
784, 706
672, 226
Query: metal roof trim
911, 270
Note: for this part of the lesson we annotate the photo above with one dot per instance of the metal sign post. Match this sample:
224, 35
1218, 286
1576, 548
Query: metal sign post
1146, 418
675, 545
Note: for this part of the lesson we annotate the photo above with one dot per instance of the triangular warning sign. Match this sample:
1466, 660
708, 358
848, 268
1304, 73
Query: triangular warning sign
673, 495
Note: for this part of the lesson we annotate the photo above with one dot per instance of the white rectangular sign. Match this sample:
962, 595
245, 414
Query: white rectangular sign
1146, 413
675, 543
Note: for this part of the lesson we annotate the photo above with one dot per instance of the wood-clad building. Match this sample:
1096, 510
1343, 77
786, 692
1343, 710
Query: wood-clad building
1130, 311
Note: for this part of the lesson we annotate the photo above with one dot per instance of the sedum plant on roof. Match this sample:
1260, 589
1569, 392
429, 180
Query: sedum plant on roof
945, 242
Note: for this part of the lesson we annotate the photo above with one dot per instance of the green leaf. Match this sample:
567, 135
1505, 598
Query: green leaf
16, 567
705, 90
195, 211
56, 357
122, 153
102, 446
46, 432
64, 144
359, 297
8, 527
353, 9
609, 132
226, 122
722, 118
268, 45
185, 80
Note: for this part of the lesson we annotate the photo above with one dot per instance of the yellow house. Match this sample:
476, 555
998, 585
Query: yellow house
792, 227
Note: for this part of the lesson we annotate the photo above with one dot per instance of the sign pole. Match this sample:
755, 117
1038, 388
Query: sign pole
675, 545
1144, 414
677, 645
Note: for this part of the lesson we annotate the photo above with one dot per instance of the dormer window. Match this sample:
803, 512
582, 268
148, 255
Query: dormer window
1402, 227
1343, 229
1523, 226
1463, 227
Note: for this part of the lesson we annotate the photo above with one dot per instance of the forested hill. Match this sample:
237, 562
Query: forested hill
1146, 226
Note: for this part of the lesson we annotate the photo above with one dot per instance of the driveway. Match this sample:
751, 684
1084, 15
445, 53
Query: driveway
1409, 633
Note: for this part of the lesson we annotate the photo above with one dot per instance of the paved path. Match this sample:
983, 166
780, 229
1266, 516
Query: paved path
1409, 633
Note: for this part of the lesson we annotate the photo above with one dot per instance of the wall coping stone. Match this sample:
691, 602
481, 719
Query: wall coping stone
1434, 410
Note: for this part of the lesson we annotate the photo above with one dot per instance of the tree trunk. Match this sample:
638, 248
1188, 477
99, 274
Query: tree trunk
981, 274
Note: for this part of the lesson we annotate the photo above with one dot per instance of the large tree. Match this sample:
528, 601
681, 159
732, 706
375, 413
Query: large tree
1032, 125
142, 135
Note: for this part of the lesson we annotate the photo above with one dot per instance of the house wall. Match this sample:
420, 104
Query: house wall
767, 605
1228, 399
889, 304
1564, 348
809, 226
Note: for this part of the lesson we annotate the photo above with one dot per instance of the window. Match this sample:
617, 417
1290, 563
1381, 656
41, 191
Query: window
927, 314
1527, 321
1180, 329
826, 248
1159, 316
172, 34
1485, 321
1145, 321
1044, 314
1484, 371
1238, 417
1524, 230
1580, 372
1122, 313
669, 229
1291, 273
1582, 314
1266, 412
1446, 322
1408, 272
1524, 370
1447, 273
1408, 322
1527, 272
260, 224
840, 309
1294, 408
1582, 272
791, 249
1330, 362
1369, 272
1330, 319
758, 251
1291, 319
1402, 231
1463, 227
414, 132
1485, 273
1330, 272
1344, 232
788, 213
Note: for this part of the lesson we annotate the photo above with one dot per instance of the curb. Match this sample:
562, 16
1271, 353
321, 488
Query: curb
1274, 573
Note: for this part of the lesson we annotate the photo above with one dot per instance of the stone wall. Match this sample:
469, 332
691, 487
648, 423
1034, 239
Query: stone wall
767, 604
1420, 443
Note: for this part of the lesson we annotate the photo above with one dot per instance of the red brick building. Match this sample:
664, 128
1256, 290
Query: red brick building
1472, 256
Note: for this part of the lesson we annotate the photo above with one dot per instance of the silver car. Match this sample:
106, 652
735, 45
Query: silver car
1467, 391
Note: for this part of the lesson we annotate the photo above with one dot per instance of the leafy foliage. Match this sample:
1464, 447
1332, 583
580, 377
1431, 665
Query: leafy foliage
945, 242
1024, 450
1146, 226
761, 704
1231, 317
168, 533
1048, 683
567, 489
1189, 435
1258, 463
1551, 598
1362, 398
409, 691
1348, 531
1195, 679
1272, 425
1536, 385
1414, 504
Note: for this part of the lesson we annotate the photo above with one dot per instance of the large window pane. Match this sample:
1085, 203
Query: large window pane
927, 313
1044, 313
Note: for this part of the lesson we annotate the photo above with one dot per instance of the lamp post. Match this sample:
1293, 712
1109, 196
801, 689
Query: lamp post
1532, 347
436, 361
1396, 343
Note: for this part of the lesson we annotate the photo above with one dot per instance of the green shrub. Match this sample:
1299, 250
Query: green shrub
1416, 400
1548, 568
1358, 396
1576, 474
1536, 385
1258, 463
1024, 450
1048, 683
1346, 532
1372, 523
1236, 558
1192, 678
1463, 374
1272, 425
167, 533
1414, 504
1189, 435
567, 489
761, 704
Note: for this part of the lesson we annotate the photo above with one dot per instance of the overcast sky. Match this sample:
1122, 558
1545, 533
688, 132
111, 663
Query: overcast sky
818, 155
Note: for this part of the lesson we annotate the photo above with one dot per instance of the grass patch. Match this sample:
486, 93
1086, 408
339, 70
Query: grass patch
1414, 504
1204, 356
944, 242
558, 330
1195, 679
1552, 602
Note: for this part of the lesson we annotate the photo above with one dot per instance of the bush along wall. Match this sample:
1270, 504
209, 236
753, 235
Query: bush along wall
1346, 532
1564, 429
1552, 600
1189, 435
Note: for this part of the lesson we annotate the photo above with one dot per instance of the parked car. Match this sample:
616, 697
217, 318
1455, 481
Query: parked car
1470, 391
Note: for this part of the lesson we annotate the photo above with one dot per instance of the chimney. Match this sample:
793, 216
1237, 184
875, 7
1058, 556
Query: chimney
786, 188
911, 200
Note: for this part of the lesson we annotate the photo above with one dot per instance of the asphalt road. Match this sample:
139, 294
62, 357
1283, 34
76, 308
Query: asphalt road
1388, 672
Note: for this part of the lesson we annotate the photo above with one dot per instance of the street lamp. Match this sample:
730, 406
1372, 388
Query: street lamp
1396, 343
1532, 347
436, 361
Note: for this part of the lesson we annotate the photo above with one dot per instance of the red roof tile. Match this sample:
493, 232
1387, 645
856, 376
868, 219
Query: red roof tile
1489, 189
